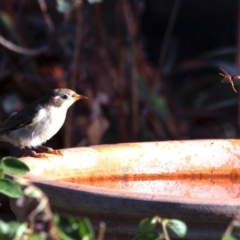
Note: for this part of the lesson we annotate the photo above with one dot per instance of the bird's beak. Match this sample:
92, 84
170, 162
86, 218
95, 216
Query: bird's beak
78, 97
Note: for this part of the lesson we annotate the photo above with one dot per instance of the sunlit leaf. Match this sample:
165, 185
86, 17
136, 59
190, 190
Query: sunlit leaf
64, 236
36, 237
85, 229
4, 228
18, 229
14, 165
8, 230
177, 226
10, 188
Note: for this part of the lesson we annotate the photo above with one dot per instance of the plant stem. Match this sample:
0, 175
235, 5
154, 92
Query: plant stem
75, 73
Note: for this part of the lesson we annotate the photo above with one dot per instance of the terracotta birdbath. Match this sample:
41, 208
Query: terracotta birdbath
194, 181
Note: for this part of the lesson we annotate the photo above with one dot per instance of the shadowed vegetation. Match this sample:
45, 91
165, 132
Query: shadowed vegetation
149, 68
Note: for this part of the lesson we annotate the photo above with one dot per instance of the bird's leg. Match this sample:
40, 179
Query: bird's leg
29, 152
42, 152
44, 149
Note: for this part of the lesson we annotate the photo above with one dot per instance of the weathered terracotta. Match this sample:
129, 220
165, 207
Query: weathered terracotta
195, 181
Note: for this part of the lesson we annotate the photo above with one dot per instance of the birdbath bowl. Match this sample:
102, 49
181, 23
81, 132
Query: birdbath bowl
195, 181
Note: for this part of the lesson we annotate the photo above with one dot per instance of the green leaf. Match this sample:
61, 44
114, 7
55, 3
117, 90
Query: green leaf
147, 236
4, 228
177, 226
63, 235
147, 224
8, 230
10, 188
231, 237
19, 229
160, 105
67, 228
14, 165
85, 229
156, 102
71, 229
1, 173
36, 237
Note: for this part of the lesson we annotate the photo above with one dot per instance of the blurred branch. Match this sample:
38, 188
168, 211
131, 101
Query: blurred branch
172, 123
132, 30
238, 65
114, 70
166, 41
11, 46
75, 71
47, 18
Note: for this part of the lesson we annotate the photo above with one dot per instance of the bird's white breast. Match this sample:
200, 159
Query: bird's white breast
58, 115
44, 126
56, 121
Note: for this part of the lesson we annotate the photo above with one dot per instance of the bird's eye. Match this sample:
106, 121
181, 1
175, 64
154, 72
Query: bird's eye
64, 96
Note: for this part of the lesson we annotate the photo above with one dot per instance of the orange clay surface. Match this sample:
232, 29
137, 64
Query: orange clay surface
202, 169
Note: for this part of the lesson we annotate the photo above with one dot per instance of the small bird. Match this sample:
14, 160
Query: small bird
39, 121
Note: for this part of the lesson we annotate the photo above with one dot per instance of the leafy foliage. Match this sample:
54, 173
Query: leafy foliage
148, 229
177, 226
70, 228
14, 166
138, 91
231, 237
10, 188
12, 230
147, 224
233, 230
11, 165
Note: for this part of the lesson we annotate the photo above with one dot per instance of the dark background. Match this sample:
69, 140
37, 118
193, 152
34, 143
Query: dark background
150, 68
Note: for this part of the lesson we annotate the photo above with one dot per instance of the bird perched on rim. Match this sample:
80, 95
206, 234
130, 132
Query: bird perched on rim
39, 121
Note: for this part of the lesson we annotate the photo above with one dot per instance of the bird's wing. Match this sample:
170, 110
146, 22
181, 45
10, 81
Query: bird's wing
27, 116
14, 122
